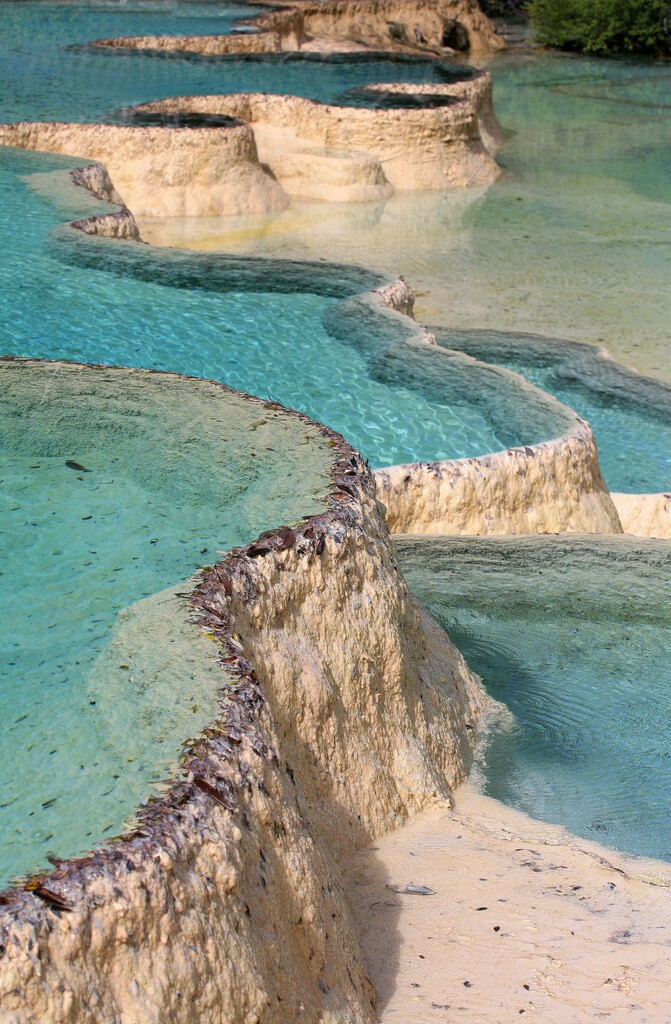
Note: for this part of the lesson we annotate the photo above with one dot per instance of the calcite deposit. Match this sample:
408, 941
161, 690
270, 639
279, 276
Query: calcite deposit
645, 515
337, 25
340, 153
551, 487
261, 150
344, 708
165, 172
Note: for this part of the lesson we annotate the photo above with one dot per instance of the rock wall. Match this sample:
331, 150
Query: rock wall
343, 709
645, 515
165, 171
208, 46
371, 21
337, 25
309, 146
552, 487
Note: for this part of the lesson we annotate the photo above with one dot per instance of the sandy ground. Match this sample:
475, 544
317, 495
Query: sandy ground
527, 922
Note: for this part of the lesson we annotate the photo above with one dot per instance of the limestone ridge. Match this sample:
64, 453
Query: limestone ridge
551, 484
185, 161
344, 708
437, 26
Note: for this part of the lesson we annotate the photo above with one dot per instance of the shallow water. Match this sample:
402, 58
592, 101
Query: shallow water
634, 448
572, 241
574, 636
629, 414
93, 699
43, 78
266, 344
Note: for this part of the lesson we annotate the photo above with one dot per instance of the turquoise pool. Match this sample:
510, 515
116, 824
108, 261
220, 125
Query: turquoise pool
573, 635
114, 487
629, 413
45, 74
516, 246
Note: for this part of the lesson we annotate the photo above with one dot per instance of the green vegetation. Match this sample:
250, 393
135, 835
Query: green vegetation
603, 26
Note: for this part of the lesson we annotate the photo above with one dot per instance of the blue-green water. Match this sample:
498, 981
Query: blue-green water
43, 78
634, 446
574, 636
98, 691
270, 345
278, 345
630, 414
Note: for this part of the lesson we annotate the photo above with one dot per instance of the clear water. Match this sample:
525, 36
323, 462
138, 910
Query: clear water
629, 414
574, 636
42, 78
87, 557
266, 344
634, 448
572, 242
97, 691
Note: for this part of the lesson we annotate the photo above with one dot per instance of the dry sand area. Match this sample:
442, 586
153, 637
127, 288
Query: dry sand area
527, 923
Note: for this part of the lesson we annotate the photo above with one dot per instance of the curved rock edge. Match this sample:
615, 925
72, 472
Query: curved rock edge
318, 747
592, 367
343, 24
544, 487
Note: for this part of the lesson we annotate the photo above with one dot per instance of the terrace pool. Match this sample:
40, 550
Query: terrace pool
573, 635
92, 557
114, 486
47, 75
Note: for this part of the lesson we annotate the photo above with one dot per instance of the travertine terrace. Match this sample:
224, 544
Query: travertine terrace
258, 151
255, 152
344, 709
166, 172
336, 25
326, 737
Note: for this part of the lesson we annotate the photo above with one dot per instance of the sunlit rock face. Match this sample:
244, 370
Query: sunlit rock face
363, 153
207, 156
342, 708
645, 515
457, 24
337, 25
165, 172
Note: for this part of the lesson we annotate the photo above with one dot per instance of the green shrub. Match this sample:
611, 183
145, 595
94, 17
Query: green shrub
603, 26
